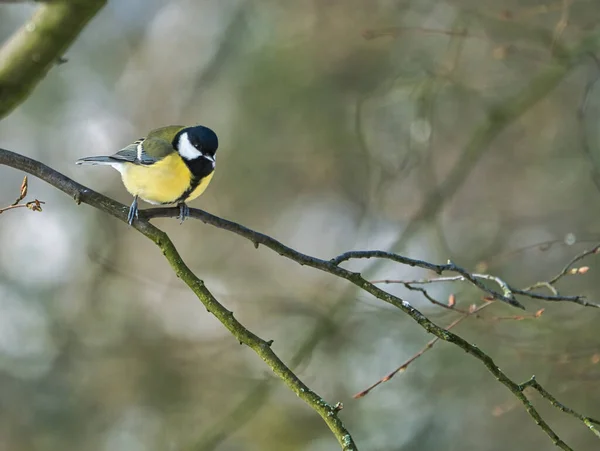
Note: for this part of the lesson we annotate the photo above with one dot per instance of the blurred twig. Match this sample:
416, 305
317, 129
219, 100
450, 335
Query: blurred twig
562, 23
499, 117
328, 412
394, 32
228, 424
542, 246
526, 13
586, 147
472, 311
38, 45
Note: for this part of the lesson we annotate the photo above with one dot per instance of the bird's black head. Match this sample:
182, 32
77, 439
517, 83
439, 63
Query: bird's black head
194, 142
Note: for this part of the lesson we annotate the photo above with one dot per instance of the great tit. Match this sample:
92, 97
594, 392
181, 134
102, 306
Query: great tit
171, 165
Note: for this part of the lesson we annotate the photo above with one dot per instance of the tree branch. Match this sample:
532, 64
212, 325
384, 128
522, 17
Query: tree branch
38, 45
81, 194
329, 413
591, 423
507, 296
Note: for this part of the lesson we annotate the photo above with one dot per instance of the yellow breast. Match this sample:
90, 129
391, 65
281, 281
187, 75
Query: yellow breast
163, 182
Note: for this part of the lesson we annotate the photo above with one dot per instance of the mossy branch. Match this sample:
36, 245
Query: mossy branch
39, 45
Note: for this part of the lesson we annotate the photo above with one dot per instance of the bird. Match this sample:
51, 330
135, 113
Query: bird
171, 165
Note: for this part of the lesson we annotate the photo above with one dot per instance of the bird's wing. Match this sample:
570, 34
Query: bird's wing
136, 153
149, 150
157, 147
167, 133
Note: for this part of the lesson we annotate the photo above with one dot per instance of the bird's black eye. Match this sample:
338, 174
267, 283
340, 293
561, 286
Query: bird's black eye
197, 143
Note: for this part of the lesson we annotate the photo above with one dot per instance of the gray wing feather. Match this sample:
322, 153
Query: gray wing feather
128, 154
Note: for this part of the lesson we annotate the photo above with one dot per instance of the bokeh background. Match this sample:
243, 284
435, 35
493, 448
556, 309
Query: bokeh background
440, 130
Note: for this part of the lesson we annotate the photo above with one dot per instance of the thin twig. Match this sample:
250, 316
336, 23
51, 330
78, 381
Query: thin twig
506, 288
565, 270
517, 317
394, 32
34, 205
422, 281
431, 299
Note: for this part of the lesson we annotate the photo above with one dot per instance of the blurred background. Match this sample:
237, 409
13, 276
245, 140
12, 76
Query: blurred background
440, 130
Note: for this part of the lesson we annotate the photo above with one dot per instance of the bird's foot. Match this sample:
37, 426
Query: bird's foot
184, 211
133, 211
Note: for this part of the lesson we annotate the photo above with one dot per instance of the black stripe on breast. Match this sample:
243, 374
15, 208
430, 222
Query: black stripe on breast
199, 167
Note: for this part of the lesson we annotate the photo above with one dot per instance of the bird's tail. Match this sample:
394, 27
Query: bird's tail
96, 160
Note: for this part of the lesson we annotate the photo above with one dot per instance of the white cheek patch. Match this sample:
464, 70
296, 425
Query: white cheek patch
186, 150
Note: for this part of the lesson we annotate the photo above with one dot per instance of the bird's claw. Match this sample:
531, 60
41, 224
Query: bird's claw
184, 212
133, 211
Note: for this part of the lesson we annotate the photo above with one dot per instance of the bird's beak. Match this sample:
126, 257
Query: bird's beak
209, 157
